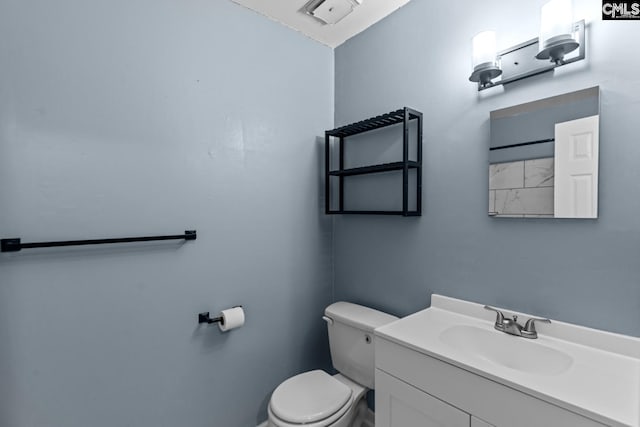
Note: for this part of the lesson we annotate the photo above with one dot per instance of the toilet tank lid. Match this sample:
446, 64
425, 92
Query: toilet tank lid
358, 316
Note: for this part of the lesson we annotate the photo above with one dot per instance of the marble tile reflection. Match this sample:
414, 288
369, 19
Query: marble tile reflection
538, 172
492, 201
506, 175
524, 201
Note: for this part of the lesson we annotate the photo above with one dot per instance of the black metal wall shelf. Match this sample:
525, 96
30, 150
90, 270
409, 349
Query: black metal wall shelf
402, 116
15, 245
396, 166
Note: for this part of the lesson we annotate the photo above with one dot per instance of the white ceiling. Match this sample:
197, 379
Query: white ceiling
287, 12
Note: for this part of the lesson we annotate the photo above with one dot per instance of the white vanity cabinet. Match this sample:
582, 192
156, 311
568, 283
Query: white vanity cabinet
400, 404
414, 389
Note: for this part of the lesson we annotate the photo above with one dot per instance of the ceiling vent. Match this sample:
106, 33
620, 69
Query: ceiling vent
330, 11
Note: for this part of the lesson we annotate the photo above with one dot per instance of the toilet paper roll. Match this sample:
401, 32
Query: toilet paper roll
232, 318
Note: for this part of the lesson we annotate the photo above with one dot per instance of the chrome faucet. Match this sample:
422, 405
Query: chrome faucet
512, 327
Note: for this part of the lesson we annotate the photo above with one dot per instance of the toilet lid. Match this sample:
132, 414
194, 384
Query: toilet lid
309, 397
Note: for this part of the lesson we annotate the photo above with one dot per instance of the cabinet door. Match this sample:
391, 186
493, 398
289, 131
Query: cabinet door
398, 404
477, 422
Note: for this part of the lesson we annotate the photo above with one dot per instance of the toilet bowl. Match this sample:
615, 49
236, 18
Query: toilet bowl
317, 399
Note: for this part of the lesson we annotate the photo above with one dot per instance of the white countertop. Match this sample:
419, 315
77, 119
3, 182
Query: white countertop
602, 383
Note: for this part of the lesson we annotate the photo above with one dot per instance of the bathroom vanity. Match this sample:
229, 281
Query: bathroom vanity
447, 366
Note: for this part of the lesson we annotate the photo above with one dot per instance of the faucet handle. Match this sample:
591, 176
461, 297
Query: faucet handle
529, 330
499, 325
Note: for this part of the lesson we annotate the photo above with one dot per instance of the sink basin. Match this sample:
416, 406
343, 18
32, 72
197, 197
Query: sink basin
509, 351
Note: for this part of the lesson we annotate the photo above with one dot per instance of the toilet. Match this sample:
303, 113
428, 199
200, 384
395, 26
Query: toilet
317, 399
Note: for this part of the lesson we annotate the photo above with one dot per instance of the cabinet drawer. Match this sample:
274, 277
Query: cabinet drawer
398, 404
492, 402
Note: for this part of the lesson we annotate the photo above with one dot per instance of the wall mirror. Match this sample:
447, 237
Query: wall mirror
543, 157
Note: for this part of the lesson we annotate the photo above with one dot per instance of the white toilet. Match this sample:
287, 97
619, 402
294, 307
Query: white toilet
317, 399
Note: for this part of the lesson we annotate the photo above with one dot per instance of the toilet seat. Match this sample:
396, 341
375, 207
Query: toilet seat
327, 422
311, 398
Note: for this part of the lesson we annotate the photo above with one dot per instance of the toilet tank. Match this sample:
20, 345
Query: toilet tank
351, 339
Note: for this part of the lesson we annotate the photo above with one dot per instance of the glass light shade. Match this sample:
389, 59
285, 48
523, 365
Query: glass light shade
484, 48
556, 22
556, 31
485, 63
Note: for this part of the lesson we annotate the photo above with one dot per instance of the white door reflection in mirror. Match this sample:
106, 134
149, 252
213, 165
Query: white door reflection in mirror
576, 168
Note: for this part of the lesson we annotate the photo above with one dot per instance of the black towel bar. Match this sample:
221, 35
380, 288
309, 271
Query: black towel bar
15, 245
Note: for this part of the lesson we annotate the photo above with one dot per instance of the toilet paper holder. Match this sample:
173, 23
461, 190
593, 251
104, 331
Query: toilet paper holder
206, 317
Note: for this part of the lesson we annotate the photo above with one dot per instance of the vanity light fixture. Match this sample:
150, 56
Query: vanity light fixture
559, 36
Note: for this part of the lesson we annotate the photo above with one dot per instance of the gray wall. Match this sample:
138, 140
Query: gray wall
580, 271
151, 117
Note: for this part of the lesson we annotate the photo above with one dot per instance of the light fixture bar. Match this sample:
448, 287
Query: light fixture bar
519, 62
